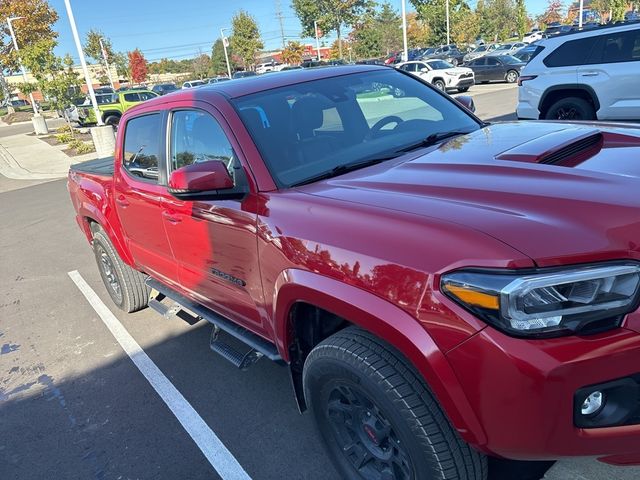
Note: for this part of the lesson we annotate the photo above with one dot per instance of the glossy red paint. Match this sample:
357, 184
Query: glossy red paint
371, 246
200, 177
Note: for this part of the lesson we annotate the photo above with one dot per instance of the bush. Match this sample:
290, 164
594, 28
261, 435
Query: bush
81, 147
64, 129
65, 137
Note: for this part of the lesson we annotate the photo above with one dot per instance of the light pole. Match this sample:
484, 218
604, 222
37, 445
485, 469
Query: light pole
87, 77
448, 38
404, 32
580, 14
15, 45
225, 43
315, 27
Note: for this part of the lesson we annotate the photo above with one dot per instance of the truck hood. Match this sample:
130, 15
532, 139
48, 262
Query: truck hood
558, 193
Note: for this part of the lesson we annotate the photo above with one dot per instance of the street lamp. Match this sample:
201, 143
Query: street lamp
15, 45
225, 44
404, 32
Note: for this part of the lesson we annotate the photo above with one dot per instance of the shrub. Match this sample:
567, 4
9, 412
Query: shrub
64, 129
65, 137
81, 147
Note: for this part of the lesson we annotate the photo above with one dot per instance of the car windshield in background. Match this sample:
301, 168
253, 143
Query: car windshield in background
440, 65
509, 59
329, 126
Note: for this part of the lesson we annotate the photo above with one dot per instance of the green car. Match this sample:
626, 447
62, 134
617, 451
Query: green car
113, 105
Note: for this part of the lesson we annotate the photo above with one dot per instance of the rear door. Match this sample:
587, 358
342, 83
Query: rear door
139, 191
214, 241
613, 70
493, 69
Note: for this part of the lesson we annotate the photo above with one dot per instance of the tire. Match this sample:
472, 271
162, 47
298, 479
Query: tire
125, 285
373, 410
463, 89
571, 108
511, 76
455, 62
112, 120
439, 84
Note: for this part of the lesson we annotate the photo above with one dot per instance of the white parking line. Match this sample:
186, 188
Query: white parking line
207, 441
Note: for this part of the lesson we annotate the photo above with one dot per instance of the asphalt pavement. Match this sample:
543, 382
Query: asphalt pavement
73, 404
27, 127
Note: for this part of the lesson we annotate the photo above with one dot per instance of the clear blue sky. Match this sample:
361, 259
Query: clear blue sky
180, 28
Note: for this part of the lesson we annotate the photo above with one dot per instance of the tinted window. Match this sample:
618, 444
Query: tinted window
142, 146
307, 129
491, 61
616, 47
479, 61
197, 137
131, 97
146, 96
571, 53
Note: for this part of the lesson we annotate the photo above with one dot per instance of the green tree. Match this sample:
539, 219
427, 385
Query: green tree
200, 65
54, 76
93, 50
465, 26
433, 13
618, 9
218, 62
331, 15
121, 62
389, 24
522, 21
245, 38
497, 19
292, 53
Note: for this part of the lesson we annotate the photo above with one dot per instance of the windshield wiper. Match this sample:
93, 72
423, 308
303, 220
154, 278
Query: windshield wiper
342, 169
433, 139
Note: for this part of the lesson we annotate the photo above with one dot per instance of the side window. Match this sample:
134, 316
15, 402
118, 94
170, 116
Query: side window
197, 137
492, 61
571, 53
142, 146
146, 96
617, 47
131, 97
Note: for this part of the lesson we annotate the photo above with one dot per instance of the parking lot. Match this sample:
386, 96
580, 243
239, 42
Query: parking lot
79, 394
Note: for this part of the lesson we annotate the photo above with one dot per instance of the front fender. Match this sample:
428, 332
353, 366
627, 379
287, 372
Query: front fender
388, 322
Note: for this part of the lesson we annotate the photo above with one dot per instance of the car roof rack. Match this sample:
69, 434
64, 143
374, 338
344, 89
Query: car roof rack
596, 28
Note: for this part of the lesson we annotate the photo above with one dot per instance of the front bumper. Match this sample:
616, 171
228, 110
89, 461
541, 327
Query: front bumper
461, 82
522, 392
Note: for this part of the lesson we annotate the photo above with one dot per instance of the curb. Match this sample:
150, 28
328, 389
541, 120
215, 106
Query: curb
10, 168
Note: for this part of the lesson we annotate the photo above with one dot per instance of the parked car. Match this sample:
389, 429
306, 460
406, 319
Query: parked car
243, 74
440, 290
193, 83
527, 53
440, 74
164, 88
268, 67
532, 36
502, 68
552, 29
101, 90
448, 53
507, 48
111, 106
480, 51
219, 79
19, 103
585, 75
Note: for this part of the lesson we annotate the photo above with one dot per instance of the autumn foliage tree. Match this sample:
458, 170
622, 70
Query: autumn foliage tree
553, 13
292, 53
137, 66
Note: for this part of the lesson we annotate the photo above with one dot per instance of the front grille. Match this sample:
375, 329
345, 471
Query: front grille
466, 75
572, 150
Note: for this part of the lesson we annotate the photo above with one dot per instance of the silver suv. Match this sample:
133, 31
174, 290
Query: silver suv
587, 75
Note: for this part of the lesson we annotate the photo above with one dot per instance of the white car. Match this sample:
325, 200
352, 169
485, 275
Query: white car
480, 51
193, 83
587, 75
531, 37
440, 74
507, 48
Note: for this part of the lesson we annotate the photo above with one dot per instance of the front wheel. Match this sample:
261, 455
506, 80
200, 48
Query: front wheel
463, 89
112, 120
439, 84
377, 418
571, 108
512, 76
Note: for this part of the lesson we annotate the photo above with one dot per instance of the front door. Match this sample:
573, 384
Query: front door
214, 242
139, 195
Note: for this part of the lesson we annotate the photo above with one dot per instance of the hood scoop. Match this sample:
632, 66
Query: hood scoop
567, 147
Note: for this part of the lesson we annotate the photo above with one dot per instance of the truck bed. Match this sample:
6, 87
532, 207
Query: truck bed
99, 166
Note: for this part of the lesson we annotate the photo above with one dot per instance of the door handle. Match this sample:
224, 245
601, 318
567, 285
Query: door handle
590, 74
169, 217
122, 201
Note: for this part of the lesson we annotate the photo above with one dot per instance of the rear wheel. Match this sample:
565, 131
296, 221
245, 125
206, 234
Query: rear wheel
571, 108
511, 76
112, 120
378, 419
125, 285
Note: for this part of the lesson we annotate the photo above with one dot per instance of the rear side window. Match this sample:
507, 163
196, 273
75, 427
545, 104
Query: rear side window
616, 48
131, 97
571, 53
142, 146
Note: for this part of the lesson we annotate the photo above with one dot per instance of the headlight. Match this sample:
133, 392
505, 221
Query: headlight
451, 73
548, 303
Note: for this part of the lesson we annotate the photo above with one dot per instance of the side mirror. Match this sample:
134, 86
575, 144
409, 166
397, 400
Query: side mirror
199, 180
467, 102
424, 69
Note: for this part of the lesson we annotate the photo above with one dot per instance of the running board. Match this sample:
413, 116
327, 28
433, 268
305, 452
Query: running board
258, 346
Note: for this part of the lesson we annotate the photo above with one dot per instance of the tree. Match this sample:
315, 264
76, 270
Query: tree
93, 49
521, 18
497, 19
137, 66
389, 24
418, 32
200, 65
245, 37
618, 9
36, 25
121, 62
553, 13
218, 61
292, 53
54, 75
466, 26
331, 15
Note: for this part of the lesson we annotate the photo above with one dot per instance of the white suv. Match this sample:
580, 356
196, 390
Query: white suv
587, 75
441, 74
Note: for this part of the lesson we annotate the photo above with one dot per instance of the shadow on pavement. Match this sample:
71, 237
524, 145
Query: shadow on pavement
515, 470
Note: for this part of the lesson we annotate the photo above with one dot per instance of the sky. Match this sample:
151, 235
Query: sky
183, 28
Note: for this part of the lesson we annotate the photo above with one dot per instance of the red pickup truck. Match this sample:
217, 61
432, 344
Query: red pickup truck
440, 289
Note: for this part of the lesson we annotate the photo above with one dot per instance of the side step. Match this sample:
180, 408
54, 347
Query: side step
258, 346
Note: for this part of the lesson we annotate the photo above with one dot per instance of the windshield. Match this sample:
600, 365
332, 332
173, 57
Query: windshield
439, 65
307, 129
481, 48
197, 83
